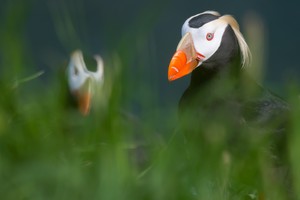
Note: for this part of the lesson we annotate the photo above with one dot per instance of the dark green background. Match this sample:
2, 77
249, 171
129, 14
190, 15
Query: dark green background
49, 151
144, 34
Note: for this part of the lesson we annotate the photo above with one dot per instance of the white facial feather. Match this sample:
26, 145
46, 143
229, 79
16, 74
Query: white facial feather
202, 45
217, 27
78, 74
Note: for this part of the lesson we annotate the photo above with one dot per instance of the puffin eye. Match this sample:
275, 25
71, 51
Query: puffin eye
209, 36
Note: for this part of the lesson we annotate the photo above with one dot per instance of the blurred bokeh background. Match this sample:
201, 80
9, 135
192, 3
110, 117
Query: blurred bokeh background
48, 151
144, 34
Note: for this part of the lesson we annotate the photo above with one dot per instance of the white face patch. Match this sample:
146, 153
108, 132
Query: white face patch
78, 74
203, 44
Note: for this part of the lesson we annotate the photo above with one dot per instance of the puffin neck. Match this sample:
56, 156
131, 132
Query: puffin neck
201, 76
208, 72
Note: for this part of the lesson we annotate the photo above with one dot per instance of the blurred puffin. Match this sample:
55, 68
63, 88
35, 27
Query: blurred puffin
214, 51
82, 82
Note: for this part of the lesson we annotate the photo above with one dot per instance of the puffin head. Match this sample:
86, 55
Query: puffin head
209, 40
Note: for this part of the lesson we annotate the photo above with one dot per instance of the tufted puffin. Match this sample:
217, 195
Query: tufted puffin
215, 53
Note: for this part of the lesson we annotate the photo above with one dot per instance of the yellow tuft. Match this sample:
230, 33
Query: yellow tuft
244, 48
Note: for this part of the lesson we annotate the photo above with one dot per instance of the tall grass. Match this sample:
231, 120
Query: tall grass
49, 151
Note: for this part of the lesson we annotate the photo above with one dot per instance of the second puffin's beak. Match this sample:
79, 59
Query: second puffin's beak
185, 59
83, 95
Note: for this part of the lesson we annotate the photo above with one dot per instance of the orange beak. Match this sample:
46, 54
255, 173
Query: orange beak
185, 59
84, 102
84, 96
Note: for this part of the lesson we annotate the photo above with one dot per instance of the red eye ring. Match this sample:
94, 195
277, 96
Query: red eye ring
209, 36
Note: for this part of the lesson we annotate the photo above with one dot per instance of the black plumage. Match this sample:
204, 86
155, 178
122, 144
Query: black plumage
220, 90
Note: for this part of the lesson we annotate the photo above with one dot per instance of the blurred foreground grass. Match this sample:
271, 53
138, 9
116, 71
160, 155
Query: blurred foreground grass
49, 151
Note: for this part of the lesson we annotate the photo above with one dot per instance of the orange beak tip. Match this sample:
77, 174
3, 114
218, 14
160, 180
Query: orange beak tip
170, 78
177, 62
172, 72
